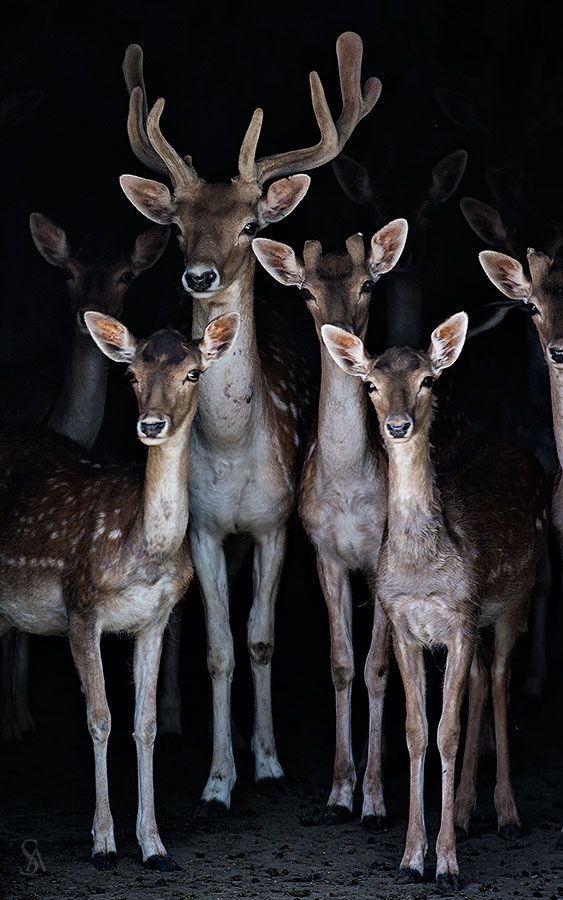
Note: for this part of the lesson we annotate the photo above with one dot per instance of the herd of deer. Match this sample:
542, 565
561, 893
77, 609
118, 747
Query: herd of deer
449, 546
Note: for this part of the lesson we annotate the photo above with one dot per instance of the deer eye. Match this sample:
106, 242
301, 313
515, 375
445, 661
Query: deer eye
130, 376
371, 387
367, 287
251, 228
427, 382
127, 277
67, 275
532, 309
306, 293
193, 375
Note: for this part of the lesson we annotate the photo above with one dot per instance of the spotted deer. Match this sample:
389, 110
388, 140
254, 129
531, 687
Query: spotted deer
345, 462
88, 548
247, 432
458, 559
97, 275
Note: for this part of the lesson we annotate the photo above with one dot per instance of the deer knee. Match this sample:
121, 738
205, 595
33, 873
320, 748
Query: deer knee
417, 740
448, 741
145, 732
99, 726
261, 652
342, 675
220, 662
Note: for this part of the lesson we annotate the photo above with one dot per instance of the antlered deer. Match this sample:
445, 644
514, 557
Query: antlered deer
247, 432
88, 548
459, 556
345, 461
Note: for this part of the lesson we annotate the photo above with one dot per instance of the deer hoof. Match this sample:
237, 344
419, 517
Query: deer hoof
375, 824
104, 861
335, 815
447, 882
211, 809
510, 832
161, 864
409, 876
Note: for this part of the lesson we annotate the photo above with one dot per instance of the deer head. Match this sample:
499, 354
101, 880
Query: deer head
164, 369
97, 274
400, 381
336, 287
217, 222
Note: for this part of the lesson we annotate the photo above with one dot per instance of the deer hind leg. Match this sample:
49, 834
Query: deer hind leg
466, 796
146, 660
376, 674
534, 683
85, 646
460, 654
209, 563
507, 815
169, 703
410, 659
269, 552
335, 584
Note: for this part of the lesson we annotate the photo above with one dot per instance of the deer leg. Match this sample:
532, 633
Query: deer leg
169, 698
269, 552
505, 805
466, 796
537, 670
376, 674
85, 646
460, 654
21, 681
335, 584
146, 660
410, 659
209, 563
10, 729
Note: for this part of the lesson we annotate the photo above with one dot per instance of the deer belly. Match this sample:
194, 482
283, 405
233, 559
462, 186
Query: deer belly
32, 601
139, 606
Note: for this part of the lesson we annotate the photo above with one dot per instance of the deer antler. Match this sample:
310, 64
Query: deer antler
355, 105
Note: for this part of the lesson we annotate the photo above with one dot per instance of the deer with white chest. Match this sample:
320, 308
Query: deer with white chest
458, 558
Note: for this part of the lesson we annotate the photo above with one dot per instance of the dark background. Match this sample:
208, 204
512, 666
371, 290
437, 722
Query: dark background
214, 66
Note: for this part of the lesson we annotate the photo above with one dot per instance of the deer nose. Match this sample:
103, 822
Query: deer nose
556, 352
199, 278
152, 427
398, 426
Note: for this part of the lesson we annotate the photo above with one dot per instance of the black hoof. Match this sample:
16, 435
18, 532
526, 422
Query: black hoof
170, 743
446, 883
375, 824
104, 861
461, 834
510, 832
335, 815
161, 864
271, 786
409, 876
211, 809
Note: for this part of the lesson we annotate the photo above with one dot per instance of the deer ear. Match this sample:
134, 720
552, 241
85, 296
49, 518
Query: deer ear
347, 350
218, 337
279, 260
446, 176
387, 244
354, 179
458, 107
111, 336
149, 247
151, 198
447, 340
50, 240
282, 198
506, 274
485, 221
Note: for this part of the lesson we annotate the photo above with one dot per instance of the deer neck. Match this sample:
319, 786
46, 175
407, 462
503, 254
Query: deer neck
342, 421
556, 385
79, 409
232, 395
414, 512
403, 300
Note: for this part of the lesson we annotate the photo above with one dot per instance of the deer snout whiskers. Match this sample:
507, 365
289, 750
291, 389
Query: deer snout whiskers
398, 426
153, 429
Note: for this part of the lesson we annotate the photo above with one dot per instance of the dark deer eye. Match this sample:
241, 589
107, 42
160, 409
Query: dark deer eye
532, 309
67, 275
193, 375
367, 287
427, 382
127, 277
251, 228
371, 387
131, 378
305, 293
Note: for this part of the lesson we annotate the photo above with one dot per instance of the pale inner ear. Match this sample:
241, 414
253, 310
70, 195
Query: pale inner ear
347, 350
485, 221
282, 198
149, 247
506, 274
151, 198
218, 337
50, 240
111, 336
387, 244
279, 260
447, 341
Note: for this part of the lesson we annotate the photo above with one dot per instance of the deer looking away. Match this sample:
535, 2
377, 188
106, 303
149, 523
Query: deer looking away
459, 556
97, 275
343, 491
247, 432
88, 548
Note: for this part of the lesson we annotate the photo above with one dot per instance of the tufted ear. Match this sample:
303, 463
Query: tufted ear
151, 198
347, 350
447, 340
282, 198
111, 336
50, 239
279, 260
387, 244
218, 337
506, 274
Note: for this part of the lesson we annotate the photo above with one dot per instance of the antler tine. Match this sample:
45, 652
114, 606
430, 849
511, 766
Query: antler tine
247, 155
138, 110
355, 105
181, 172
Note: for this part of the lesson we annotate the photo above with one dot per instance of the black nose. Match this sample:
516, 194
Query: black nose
152, 429
200, 281
398, 431
556, 354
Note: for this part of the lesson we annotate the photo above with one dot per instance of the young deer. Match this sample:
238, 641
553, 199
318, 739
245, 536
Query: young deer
344, 460
459, 556
247, 432
88, 548
97, 275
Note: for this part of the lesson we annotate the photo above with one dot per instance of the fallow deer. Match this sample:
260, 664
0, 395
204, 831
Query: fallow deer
246, 434
458, 558
345, 461
88, 548
97, 275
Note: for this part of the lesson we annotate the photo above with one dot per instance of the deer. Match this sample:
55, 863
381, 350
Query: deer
89, 548
248, 432
458, 559
345, 459
97, 275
